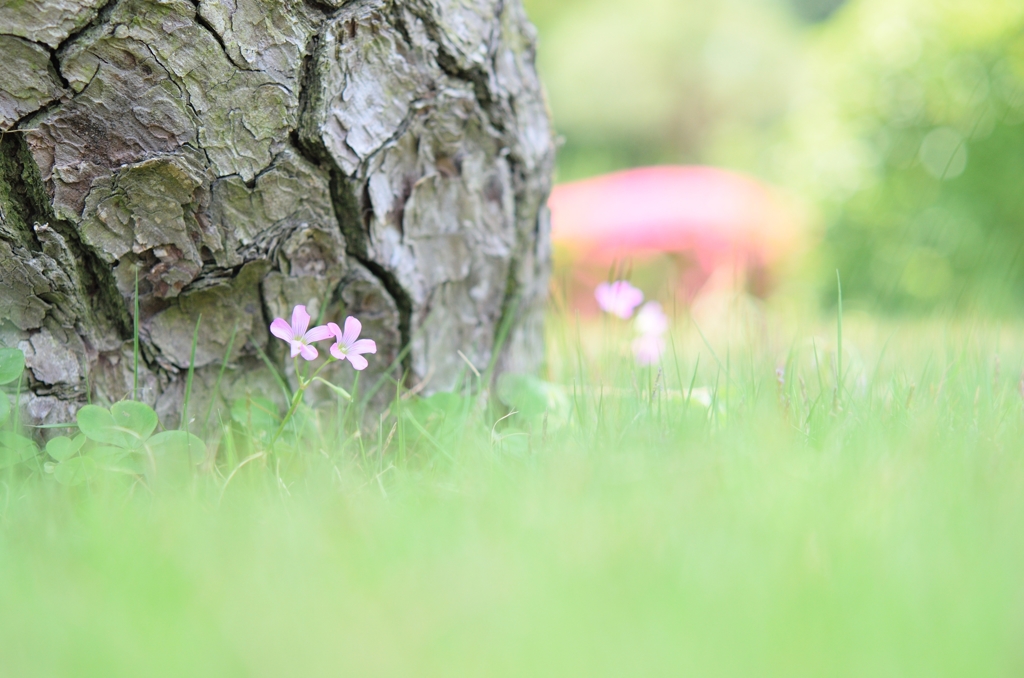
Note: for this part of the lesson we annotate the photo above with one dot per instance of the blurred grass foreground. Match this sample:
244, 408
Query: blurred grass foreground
735, 510
793, 482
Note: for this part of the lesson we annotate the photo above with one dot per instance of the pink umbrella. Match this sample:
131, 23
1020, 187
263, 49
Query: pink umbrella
715, 216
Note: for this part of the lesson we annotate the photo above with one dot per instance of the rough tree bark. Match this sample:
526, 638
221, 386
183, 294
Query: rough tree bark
387, 159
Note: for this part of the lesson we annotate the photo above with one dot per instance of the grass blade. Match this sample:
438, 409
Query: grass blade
191, 373
220, 376
713, 354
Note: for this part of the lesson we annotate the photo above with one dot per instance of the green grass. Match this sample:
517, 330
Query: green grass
786, 530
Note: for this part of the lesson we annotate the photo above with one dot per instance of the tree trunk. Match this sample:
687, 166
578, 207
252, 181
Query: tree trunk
232, 158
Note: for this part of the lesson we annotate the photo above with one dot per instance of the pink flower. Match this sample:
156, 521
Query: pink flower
349, 346
648, 349
296, 334
618, 298
651, 320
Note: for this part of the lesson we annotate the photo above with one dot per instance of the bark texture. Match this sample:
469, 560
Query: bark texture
384, 159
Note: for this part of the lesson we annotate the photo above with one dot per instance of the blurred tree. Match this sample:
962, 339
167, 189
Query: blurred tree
910, 128
666, 81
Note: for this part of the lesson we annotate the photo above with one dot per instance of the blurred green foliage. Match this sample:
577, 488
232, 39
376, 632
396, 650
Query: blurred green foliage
666, 81
900, 119
909, 130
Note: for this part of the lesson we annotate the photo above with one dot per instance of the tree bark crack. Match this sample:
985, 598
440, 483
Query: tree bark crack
448, 62
28, 191
347, 210
102, 15
202, 22
186, 97
55, 64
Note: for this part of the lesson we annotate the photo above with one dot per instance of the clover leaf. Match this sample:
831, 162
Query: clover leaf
74, 471
12, 364
63, 448
127, 424
15, 449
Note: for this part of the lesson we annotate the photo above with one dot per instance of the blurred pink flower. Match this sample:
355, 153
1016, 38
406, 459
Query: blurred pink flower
618, 298
296, 334
651, 320
349, 346
648, 349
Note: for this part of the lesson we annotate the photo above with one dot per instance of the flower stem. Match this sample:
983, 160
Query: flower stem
297, 397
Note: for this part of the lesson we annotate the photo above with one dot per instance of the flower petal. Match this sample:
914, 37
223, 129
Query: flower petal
318, 333
618, 298
300, 320
352, 329
309, 352
337, 353
281, 329
648, 349
334, 330
296, 347
651, 319
363, 346
358, 362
